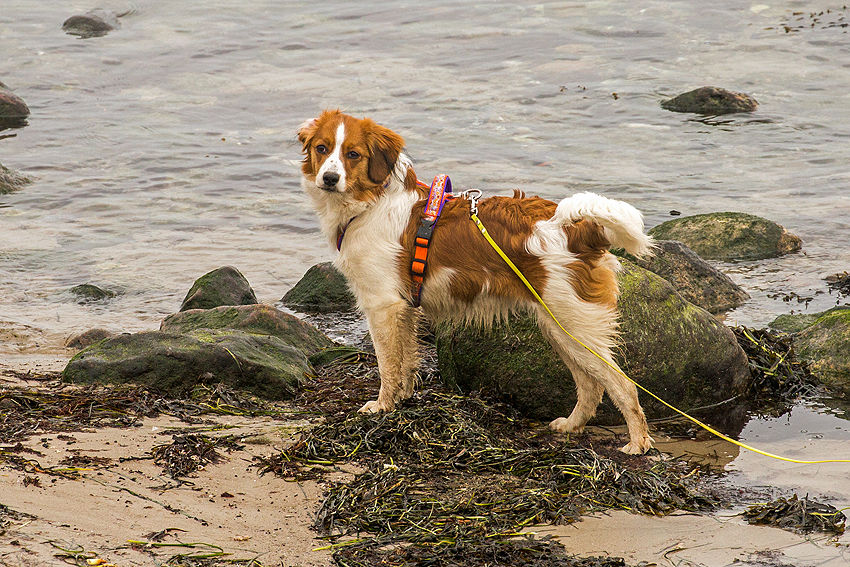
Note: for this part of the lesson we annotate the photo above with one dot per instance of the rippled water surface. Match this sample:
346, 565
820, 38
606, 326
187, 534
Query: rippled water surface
166, 148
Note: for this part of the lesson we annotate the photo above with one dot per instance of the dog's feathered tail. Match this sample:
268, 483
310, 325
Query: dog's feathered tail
622, 222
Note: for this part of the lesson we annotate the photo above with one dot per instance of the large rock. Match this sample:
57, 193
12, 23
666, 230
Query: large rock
11, 181
712, 101
796, 322
322, 289
671, 347
174, 364
695, 279
729, 236
256, 319
222, 286
825, 346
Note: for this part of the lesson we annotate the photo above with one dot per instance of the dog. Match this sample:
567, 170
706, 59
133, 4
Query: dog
370, 206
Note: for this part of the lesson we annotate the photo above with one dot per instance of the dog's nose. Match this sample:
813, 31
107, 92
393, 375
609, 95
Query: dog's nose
330, 179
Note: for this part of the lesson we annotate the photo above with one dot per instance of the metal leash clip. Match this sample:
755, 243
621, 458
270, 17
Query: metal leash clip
472, 195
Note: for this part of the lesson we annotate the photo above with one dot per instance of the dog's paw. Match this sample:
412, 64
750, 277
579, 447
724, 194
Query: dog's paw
373, 407
563, 425
638, 448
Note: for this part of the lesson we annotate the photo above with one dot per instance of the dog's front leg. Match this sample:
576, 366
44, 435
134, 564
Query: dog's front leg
393, 330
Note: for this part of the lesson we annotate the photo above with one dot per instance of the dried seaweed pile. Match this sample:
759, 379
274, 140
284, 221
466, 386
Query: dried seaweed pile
804, 516
544, 552
454, 470
777, 374
191, 451
58, 407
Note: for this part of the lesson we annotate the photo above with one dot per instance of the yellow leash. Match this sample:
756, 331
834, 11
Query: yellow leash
480, 225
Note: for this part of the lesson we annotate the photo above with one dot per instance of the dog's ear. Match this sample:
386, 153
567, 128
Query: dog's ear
307, 130
384, 146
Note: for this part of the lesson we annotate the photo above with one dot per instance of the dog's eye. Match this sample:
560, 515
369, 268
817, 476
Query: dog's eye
352, 155
321, 149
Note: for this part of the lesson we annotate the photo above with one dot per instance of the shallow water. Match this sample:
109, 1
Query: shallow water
166, 148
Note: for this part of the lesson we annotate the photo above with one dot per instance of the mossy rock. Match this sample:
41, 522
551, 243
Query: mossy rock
322, 289
174, 364
222, 286
711, 101
256, 319
825, 346
90, 292
729, 236
696, 280
794, 323
96, 23
671, 347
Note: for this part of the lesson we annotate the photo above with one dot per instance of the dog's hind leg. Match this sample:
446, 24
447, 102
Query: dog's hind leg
393, 331
592, 375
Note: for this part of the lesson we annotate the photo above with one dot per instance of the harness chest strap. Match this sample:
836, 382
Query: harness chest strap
440, 191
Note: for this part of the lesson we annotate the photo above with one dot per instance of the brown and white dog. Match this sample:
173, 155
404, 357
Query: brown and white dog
363, 186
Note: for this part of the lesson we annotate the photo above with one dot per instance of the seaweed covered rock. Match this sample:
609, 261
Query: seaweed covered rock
712, 101
729, 236
825, 346
695, 279
222, 286
90, 292
322, 289
11, 181
255, 319
96, 23
796, 322
671, 347
174, 364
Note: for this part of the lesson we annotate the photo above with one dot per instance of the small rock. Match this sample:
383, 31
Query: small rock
322, 289
11, 181
256, 319
729, 236
13, 109
222, 286
712, 101
96, 23
88, 338
89, 292
695, 279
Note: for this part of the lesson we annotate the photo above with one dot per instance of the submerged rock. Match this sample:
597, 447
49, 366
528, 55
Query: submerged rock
89, 292
671, 347
695, 279
174, 364
222, 286
322, 289
729, 236
711, 100
11, 181
825, 346
255, 319
96, 23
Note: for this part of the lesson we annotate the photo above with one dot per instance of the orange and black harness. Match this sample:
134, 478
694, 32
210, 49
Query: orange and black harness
440, 191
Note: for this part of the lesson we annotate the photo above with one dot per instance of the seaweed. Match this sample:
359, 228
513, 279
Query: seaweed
799, 515
839, 283
778, 377
527, 550
190, 452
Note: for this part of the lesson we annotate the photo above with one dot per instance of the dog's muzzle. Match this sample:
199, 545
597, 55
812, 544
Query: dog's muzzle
329, 181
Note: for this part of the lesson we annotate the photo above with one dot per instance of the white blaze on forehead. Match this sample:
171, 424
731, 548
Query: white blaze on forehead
334, 162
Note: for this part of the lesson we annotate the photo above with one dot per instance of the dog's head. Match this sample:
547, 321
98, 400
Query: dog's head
347, 155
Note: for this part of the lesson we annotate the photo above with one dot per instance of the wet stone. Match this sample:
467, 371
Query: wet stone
711, 101
222, 286
322, 289
96, 23
11, 181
